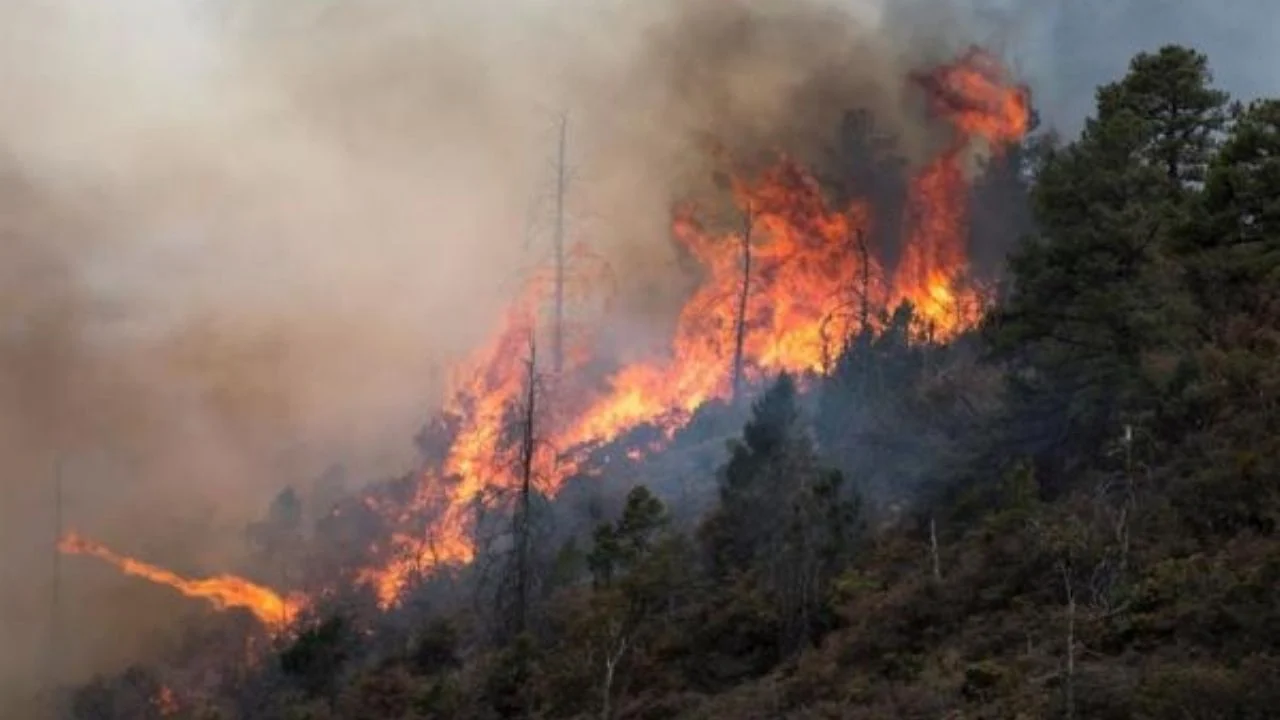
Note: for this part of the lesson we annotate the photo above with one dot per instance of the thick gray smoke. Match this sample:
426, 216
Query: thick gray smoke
240, 239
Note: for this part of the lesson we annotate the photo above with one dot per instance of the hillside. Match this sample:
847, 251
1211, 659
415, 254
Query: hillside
1068, 509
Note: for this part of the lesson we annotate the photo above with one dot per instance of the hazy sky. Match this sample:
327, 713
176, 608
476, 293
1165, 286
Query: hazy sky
237, 238
1069, 47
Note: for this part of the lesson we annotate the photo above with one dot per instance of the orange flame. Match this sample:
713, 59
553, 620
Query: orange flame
491, 384
974, 95
808, 268
804, 264
222, 591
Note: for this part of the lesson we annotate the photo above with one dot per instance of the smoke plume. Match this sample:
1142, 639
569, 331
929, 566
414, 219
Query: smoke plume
241, 240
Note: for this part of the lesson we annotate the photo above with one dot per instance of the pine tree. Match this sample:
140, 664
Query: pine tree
1227, 412
1097, 292
1233, 249
784, 522
1168, 98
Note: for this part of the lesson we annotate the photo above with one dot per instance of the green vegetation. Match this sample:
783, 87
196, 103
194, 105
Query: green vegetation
1088, 494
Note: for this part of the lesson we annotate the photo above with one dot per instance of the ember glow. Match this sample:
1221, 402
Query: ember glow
809, 270
222, 591
165, 702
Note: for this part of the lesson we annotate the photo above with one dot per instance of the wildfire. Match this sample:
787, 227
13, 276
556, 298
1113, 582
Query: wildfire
222, 591
974, 95
808, 285
808, 268
480, 455
808, 265
804, 266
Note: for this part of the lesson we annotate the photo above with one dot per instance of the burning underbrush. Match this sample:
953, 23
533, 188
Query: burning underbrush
788, 277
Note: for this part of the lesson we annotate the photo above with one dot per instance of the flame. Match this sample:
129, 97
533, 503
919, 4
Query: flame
810, 275
974, 96
222, 591
803, 266
491, 384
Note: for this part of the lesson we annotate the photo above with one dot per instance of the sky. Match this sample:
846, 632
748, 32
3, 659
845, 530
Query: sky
1066, 48
241, 239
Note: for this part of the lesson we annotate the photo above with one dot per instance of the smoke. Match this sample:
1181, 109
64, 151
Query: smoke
240, 240
235, 248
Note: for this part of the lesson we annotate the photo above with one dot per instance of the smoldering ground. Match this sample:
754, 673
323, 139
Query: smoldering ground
240, 239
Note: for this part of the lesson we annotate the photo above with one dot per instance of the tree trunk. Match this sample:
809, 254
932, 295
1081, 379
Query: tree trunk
612, 657
1070, 684
864, 312
741, 329
557, 343
933, 549
527, 449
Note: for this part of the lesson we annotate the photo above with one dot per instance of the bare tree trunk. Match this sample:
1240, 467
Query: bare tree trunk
741, 329
1070, 684
557, 347
1130, 502
933, 549
612, 657
522, 524
864, 313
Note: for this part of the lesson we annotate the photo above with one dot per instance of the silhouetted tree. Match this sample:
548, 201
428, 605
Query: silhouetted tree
782, 519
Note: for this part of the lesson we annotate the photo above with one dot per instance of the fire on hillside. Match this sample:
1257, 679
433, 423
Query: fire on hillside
806, 282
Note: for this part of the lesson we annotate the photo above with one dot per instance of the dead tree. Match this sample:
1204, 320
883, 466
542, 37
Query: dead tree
557, 347
521, 519
864, 311
933, 549
1069, 681
741, 324
1130, 502
617, 643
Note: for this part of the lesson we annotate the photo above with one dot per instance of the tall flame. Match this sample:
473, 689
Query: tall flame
222, 591
803, 265
974, 95
480, 456
809, 266
473, 461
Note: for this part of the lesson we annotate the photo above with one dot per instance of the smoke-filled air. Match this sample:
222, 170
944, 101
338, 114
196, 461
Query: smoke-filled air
395, 275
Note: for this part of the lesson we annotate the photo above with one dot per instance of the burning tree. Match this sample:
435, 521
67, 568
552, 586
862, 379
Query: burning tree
770, 301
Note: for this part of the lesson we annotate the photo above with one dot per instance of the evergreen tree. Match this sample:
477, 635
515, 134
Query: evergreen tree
317, 657
1234, 247
873, 421
621, 545
1096, 292
784, 523
277, 538
1175, 114
1224, 481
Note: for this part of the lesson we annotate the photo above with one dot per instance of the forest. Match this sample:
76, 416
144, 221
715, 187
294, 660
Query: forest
1067, 510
